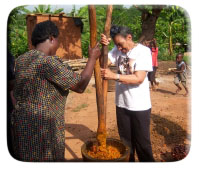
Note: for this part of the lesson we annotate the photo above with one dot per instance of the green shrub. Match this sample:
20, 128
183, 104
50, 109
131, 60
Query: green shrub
187, 59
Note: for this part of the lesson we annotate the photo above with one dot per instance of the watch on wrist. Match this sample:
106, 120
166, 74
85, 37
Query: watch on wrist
118, 77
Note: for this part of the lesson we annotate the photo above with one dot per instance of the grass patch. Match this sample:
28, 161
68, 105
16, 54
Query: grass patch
88, 91
78, 108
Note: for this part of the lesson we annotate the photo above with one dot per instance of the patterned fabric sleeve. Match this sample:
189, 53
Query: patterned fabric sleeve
60, 74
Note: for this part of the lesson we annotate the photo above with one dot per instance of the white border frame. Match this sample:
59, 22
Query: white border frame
191, 160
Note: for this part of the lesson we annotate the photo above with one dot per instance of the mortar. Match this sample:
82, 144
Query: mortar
124, 150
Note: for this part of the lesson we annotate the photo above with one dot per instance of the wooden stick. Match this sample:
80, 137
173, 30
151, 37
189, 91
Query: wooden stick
169, 69
104, 55
97, 73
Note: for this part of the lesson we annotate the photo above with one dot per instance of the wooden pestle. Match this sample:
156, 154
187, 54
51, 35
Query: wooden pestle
104, 64
98, 81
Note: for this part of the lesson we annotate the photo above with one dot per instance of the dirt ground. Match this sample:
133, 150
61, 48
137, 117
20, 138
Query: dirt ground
170, 118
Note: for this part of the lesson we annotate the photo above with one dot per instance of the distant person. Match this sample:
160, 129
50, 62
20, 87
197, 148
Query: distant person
133, 104
181, 75
151, 75
42, 85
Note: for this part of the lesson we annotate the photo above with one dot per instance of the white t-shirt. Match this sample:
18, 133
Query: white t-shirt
130, 96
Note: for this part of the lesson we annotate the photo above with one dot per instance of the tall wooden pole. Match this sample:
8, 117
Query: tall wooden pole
101, 131
104, 55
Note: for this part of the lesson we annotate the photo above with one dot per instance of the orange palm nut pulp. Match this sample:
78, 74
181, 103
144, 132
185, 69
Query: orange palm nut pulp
103, 151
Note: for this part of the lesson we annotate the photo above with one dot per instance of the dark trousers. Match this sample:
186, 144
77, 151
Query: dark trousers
9, 135
151, 75
134, 130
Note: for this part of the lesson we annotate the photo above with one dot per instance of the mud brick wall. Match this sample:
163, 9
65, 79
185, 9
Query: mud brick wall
69, 37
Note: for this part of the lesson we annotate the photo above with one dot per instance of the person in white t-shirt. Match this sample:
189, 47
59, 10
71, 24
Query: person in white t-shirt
133, 104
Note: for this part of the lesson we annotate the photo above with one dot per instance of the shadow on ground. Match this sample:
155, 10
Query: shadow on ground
173, 133
81, 132
165, 91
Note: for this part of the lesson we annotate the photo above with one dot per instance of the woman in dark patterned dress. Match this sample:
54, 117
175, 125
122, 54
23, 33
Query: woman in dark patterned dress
41, 87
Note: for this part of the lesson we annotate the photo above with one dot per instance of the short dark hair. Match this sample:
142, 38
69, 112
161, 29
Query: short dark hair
152, 43
43, 31
180, 54
121, 30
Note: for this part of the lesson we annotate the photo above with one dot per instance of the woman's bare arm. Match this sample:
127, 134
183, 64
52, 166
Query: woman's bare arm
135, 78
86, 74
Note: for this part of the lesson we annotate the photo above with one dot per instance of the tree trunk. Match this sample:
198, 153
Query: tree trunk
149, 23
170, 40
